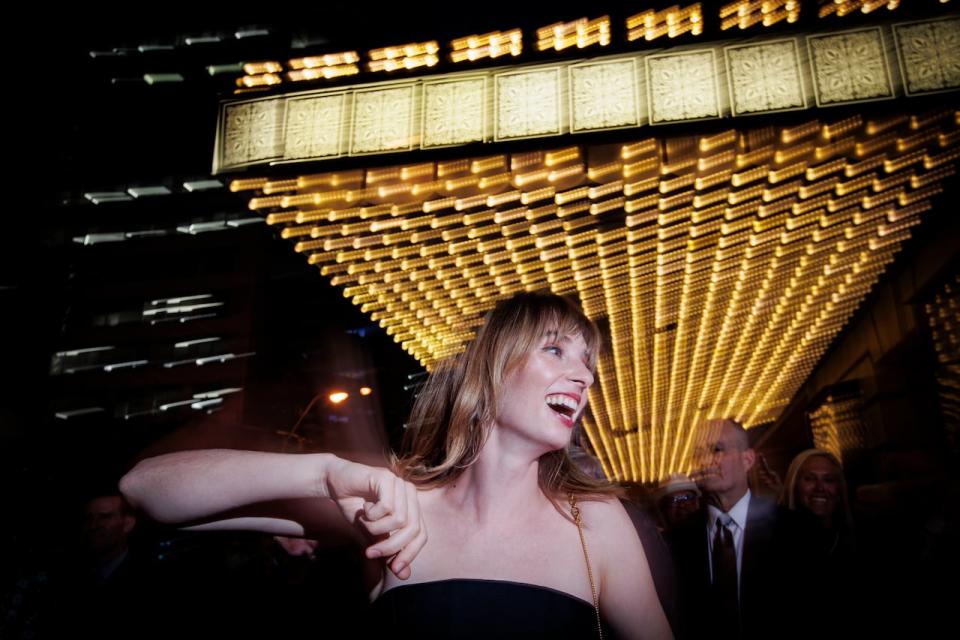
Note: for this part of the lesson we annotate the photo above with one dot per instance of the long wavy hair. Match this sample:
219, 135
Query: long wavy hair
456, 409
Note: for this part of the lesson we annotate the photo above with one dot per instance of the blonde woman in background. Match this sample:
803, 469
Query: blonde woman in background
815, 486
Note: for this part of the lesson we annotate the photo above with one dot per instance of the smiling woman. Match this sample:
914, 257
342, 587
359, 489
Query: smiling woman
522, 542
816, 485
816, 491
530, 345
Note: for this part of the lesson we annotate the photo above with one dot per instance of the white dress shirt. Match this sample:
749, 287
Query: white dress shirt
738, 523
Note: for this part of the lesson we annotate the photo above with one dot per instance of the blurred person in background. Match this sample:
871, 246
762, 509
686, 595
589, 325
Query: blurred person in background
815, 487
678, 499
830, 578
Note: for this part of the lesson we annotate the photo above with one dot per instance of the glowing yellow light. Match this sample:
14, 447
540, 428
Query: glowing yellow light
846, 7
400, 51
327, 60
409, 56
746, 13
336, 397
741, 254
672, 22
259, 68
580, 33
336, 71
262, 80
247, 184
488, 45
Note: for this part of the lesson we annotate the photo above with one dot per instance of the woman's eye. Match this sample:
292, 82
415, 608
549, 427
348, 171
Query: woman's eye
557, 351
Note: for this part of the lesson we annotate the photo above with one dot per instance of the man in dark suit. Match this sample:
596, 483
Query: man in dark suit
101, 588
731, 559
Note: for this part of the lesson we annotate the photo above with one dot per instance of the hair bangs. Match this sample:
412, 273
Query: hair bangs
569, 323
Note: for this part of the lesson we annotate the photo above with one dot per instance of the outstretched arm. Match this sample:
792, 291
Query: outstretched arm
228, 489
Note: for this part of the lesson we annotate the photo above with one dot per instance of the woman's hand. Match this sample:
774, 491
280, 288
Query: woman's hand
384, 505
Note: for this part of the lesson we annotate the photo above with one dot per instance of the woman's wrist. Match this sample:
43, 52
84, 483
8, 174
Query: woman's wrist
319, 468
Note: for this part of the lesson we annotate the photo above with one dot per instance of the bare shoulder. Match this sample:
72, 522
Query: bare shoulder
611, 532
627, 593
604, 514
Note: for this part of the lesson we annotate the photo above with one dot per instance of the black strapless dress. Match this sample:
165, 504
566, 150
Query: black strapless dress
467, 609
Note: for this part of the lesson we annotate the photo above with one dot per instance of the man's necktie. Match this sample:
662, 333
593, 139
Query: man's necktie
725, 589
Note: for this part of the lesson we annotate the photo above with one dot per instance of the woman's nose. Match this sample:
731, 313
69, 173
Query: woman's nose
582, 375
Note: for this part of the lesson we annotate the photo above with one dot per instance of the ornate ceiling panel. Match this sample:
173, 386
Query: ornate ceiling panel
654, 87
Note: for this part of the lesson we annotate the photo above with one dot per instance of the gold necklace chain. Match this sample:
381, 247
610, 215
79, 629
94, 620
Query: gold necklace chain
575, 512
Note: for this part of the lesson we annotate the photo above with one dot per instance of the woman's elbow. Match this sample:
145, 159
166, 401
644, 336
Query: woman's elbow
133, 485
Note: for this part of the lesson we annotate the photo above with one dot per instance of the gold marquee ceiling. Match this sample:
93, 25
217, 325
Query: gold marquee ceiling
721, 266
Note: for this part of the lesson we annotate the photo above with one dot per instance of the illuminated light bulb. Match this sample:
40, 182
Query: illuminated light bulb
273, 186
494, 181
258, 68
247, 184
266, 79
337, 397
280, 218
553, 158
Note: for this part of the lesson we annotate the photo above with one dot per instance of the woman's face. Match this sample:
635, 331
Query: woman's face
545, 394
818, 486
